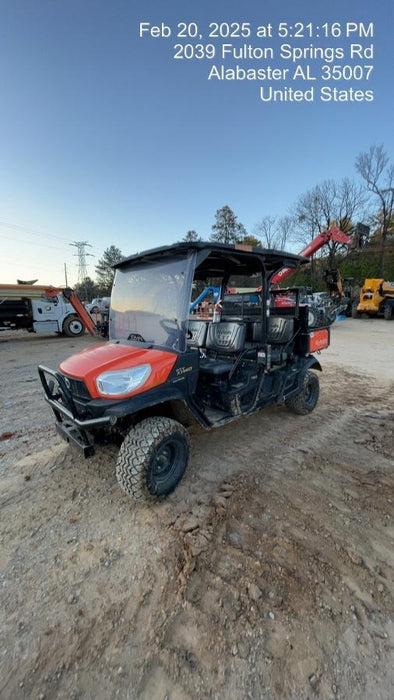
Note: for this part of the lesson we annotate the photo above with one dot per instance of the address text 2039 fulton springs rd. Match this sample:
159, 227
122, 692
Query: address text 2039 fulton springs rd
289, 62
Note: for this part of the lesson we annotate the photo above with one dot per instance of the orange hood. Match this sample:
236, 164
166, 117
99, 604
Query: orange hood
88, 364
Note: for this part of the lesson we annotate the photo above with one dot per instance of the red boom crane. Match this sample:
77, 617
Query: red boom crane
331, 234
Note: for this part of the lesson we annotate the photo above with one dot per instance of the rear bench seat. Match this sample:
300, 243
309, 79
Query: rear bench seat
280, 330
280, 334
224, 340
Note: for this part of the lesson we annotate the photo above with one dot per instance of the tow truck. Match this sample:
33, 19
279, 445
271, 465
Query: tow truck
163, 370
43, 309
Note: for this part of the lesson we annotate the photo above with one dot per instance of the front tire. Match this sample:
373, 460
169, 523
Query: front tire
388, 312
305, 401
152, 458
73, 327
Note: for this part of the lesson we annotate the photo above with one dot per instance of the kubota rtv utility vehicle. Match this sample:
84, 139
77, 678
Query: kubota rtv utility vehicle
164, 368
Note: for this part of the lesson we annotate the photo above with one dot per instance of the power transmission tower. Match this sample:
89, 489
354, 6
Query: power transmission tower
82, 255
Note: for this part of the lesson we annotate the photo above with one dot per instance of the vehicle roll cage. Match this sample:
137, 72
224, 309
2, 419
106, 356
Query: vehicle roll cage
221, 255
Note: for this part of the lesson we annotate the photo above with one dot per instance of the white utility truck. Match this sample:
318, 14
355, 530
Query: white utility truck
42, 309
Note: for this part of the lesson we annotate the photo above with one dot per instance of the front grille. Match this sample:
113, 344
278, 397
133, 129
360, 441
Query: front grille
77, 388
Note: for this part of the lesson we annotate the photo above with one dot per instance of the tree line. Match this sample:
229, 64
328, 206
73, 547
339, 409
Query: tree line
363, 209
90, 289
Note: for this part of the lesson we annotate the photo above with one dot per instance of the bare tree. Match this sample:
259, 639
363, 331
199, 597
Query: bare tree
329, 203
265, 230
378, 173
286, 231
275, 233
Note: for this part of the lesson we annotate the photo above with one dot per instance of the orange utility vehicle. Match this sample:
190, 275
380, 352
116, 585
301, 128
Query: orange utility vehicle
163, 369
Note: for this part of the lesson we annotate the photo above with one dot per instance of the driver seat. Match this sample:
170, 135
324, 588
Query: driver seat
197, 334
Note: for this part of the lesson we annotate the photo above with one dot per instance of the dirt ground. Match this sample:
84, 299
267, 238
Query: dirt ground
268, 573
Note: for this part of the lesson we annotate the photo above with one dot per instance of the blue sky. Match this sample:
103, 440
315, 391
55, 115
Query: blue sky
106, 138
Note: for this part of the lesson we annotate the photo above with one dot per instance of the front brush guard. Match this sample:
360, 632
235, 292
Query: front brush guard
70, 427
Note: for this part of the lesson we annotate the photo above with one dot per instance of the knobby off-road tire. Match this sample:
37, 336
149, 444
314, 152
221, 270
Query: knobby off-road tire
152, 458
304, 402
388, 312
73, 327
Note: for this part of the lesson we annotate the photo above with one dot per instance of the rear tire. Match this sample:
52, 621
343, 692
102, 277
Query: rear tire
388, 312
305, 401
152, 458
73, 327
331, 315
355, 313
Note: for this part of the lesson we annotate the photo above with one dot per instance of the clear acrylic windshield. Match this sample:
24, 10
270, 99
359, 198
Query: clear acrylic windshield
150, 302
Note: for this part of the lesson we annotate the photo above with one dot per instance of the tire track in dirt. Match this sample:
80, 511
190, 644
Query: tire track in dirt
268, 571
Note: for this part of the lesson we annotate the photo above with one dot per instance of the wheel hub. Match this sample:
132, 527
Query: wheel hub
76, 326
164, 460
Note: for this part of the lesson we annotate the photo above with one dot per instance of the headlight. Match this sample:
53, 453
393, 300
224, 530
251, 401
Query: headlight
123, 381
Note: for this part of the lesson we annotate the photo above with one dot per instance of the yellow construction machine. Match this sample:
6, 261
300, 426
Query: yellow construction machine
376, 299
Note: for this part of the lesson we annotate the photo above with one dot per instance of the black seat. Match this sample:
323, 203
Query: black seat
280, 333
224, 340
226, 337
197, 334
280, 330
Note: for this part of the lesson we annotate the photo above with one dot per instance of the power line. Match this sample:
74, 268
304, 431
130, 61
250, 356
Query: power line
35, 232
32, 231
34, 243
17, 263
